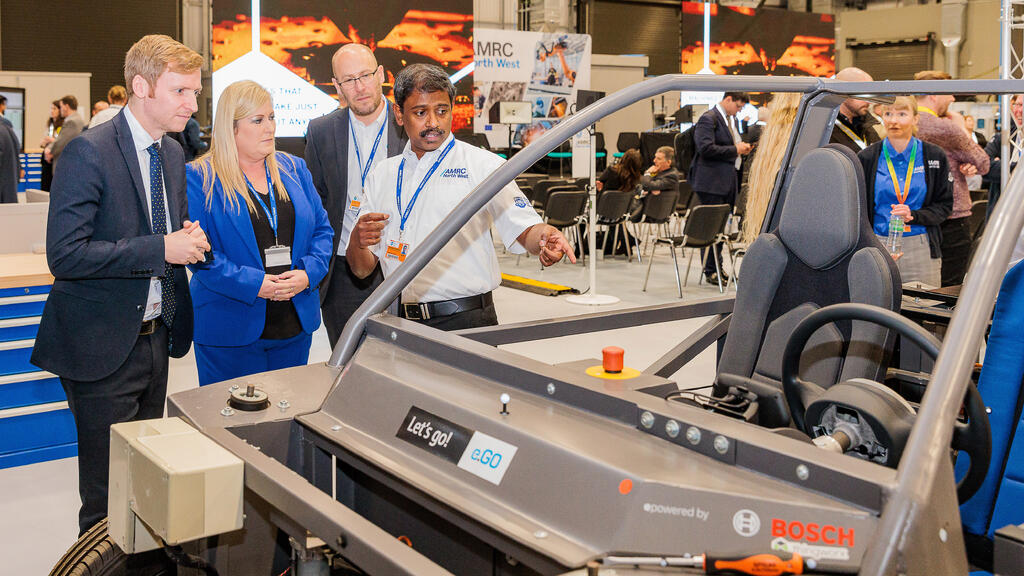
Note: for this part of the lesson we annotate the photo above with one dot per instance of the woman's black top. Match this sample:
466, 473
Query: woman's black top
282, 320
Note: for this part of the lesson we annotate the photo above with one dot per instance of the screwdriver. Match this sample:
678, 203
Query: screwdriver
756, 565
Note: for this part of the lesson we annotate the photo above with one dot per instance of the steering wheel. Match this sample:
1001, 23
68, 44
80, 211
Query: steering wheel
973, 437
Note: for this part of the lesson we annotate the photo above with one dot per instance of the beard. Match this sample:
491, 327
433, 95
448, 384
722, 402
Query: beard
364, 109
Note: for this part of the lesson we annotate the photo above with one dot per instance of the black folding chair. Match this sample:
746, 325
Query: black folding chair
658, 210
702, 230
612, 211
541, 189
564, 211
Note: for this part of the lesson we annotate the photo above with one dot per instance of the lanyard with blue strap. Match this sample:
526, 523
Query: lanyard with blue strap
398, 191
272, 211
364, 170
901, 195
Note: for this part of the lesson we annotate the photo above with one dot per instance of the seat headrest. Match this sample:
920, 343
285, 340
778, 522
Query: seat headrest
821, 217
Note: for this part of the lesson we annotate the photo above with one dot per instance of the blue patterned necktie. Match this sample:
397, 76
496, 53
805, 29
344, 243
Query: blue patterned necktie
156, 194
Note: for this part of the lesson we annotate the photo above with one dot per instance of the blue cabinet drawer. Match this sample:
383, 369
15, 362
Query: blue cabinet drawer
19, 329
29, 389
22, 302
36, 433
14, 357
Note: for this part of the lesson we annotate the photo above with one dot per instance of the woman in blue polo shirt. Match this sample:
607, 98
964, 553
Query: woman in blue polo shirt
909, 178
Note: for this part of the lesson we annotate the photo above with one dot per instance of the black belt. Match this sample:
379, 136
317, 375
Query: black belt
150, 326
428, 310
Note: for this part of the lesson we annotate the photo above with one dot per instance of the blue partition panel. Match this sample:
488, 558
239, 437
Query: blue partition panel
38, 433
31, 392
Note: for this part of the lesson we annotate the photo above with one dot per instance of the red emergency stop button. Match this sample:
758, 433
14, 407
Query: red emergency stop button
611, 359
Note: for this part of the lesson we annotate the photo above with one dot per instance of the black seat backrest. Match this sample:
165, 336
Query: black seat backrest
540, 191
628, 141
478, 140
685, 194
658, 208
613, 206
565, 206
823, 252
705, 223
599, 141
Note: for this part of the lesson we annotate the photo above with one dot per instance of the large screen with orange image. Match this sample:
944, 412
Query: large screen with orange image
298, 37
758, 42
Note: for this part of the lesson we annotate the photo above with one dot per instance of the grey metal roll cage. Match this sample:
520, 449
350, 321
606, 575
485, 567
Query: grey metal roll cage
918, 472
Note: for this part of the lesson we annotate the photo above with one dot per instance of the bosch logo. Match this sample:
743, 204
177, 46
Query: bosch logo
520, 202
486, 457
746, 523
455, 173
813, 533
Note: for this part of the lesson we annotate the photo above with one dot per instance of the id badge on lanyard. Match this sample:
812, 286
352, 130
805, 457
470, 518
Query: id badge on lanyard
355, 202
278, 254
397, 250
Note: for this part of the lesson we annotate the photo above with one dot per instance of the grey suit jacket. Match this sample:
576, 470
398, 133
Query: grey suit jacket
72, 127
102, 253
327, 157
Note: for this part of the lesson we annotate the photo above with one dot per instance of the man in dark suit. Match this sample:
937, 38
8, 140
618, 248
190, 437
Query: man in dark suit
342, 148
10, 167
854, 125
117, 240
714, 172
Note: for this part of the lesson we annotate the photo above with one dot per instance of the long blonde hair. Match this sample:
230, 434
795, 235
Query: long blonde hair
239, 100
767, 161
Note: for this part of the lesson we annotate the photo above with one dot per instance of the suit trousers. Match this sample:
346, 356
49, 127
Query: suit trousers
344, 293
220, 363
956, 250
135, 391
707, 198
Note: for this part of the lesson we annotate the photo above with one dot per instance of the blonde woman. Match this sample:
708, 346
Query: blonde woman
909, 178
767, 159
256, 304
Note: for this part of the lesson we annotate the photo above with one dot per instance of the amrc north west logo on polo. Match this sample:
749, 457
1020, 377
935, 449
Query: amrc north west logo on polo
746, 523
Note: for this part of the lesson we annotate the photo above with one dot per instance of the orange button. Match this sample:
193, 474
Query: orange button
611, 359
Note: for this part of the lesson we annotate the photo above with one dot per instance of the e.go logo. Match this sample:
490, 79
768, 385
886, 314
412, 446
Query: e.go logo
486, 457
746, 523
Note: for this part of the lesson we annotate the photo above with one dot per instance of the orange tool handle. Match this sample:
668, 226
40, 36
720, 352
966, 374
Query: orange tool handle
758, 565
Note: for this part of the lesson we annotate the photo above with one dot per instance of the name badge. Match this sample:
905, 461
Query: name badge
397, 250
278, 256
354, 204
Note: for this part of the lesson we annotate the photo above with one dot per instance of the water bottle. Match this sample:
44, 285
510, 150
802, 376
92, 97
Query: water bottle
894, 242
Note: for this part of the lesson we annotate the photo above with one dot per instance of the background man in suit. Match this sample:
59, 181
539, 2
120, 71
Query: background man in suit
73, 126
854, 126
116, 242
713, 173
10, 167
341, 150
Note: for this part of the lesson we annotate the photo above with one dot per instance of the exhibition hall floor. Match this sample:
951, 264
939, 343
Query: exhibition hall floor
39, 502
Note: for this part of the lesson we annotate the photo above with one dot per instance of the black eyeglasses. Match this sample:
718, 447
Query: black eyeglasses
351, 82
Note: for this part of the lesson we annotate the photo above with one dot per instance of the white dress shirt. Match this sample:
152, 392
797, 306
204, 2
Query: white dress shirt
365, 135
142, 141
467, 266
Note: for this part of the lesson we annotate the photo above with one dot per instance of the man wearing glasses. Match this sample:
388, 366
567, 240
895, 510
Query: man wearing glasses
341, 150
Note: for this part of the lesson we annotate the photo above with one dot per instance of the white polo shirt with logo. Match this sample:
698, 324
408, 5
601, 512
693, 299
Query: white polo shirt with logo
467, 265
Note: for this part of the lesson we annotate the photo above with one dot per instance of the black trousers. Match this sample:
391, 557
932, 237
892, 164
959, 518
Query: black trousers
345, 293
135, 391
707, 198
478, 318
956, 250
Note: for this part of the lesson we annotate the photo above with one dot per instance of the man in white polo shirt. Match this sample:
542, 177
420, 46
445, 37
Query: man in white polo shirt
407, 196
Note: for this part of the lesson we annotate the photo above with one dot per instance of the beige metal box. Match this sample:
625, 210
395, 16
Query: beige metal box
170, 483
